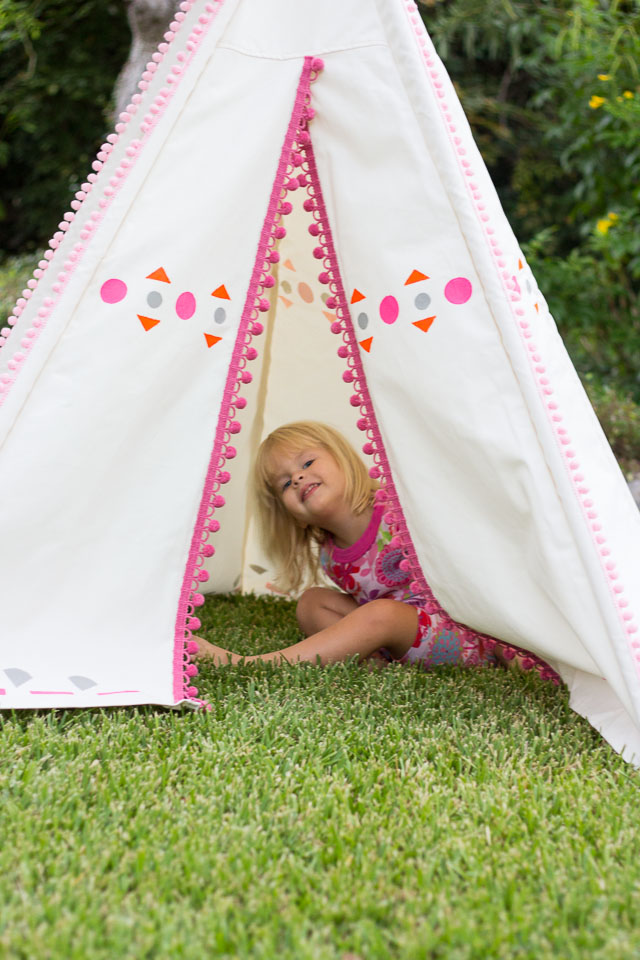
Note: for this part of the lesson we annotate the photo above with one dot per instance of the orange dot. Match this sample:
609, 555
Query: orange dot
306, 293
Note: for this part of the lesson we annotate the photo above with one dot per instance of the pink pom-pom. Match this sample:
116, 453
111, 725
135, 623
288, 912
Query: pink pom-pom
208, 550
336, 326
234, 427
191, 691
218, 500
347, 376
268, 281
286, 208
292, 183
343, 352
318, 253
331, 303
256, 330
197, 600
274, 256
203, 576
192, 647
374, 473
405, 565
240, 402
230, 453
362, 423
354, 400
304, 138
251, 353
246, 377
317, 64
263, 305
214, 526
415, 587
526, 663
310, 113
193, 623
224, 476
309, 204
508, 653
324, 277
368, 448
279, 233
191, 670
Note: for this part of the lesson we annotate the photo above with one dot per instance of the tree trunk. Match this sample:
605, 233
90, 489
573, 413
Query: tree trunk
149, 20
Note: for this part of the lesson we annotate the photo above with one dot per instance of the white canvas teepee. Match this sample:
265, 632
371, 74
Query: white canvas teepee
292, 221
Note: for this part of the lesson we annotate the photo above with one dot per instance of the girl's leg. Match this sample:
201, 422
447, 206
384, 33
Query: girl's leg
320, 607
362, 631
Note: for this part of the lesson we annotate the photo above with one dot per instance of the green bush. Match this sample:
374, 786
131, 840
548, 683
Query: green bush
58, 63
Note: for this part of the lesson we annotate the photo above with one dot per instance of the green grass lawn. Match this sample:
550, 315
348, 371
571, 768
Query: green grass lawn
319, 813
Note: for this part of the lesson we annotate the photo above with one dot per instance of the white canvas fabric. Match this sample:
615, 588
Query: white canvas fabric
118, 413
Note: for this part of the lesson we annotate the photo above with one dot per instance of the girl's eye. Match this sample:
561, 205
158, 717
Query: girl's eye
306, 465
286, 484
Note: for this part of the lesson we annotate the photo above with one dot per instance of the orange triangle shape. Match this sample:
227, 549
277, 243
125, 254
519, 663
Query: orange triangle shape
159, 274
287, 303
221, 292
148, 322
366, 344
331, 317
209, 337
519, 264
289, 265
415, 276
423, 324
357, 296
537, 308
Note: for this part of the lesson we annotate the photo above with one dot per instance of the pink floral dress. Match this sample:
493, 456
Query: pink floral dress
370, 569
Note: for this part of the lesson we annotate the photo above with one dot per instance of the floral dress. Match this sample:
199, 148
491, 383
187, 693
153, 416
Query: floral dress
370, 569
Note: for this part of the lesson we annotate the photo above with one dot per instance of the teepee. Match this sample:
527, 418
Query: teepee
291, 220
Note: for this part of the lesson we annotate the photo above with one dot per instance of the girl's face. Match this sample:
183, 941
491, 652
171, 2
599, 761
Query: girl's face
310, 484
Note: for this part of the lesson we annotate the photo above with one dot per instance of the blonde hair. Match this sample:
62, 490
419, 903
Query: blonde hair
295, 549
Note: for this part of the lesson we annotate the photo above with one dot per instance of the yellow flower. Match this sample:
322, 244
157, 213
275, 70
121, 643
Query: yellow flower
602, 226
627, 94
596, 102
613, 216
604, 76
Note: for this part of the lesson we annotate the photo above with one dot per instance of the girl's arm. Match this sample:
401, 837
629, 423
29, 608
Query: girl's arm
380, 623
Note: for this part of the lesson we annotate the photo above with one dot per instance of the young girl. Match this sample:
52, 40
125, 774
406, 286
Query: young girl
317, 507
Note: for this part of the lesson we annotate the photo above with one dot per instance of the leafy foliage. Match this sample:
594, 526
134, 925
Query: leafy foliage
58, 63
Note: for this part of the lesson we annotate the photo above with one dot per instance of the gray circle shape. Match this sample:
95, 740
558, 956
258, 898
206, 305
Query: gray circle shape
154, 299
363, 321
422, 301
220, 315
286, 286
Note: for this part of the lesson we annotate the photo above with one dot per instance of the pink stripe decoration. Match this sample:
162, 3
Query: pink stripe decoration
256, 302
513, 296
53, 693
113, 693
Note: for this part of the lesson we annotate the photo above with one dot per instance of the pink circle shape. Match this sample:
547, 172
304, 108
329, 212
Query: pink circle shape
389, 310
458, 290
186, 305
112, 291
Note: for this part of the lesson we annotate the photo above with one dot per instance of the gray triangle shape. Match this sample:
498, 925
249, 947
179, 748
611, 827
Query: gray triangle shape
83, 683
17, 677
